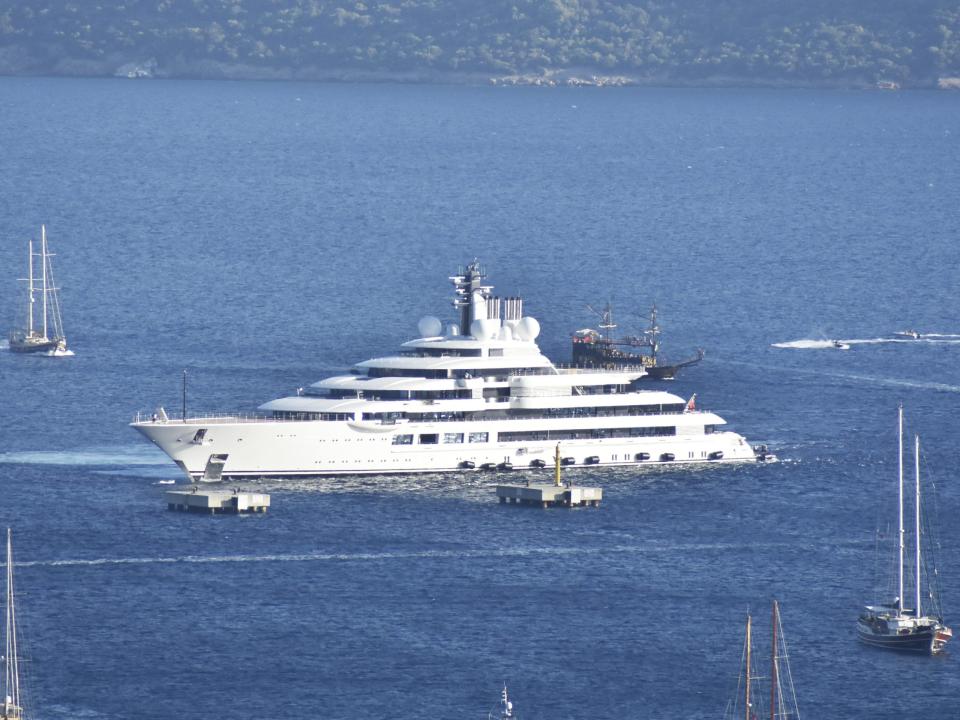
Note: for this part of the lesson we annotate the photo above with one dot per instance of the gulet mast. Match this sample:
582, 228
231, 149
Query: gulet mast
747, 698
43, 260
11, 675
900, 515
916, 502
30, 287
774, 667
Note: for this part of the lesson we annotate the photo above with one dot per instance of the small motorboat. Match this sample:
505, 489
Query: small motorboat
667, 457
763, 454
840, 345
592, 460
640, 457
538, 463
912, 334
468, 464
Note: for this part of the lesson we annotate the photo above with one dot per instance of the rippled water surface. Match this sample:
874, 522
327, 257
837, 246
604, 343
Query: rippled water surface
262, 236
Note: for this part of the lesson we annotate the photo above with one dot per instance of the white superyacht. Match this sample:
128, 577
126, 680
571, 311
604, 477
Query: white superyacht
474, 395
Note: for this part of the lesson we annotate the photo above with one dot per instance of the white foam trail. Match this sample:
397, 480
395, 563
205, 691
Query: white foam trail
931, 339
132, 455
887, 382
4, 344
902, 341
805, 344
893, 382
646, 549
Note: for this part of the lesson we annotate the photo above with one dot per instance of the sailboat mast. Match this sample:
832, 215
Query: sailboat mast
916, 530
747, 698
11, 676
30, 286
774, 668
43, 260
900, 480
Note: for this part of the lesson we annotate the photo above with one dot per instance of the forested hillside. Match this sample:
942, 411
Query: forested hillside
777, 42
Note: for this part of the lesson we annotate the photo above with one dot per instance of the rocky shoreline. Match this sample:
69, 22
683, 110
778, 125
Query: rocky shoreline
15, 62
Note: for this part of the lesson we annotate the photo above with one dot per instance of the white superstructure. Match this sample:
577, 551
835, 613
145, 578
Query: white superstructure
483, 396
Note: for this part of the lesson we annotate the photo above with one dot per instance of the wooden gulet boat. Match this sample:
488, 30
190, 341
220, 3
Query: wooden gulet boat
783, 697
43, 335
12, 708
894, 625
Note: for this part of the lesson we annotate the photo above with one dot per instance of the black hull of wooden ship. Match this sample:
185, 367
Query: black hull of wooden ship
22, 344
924, 640
602, 354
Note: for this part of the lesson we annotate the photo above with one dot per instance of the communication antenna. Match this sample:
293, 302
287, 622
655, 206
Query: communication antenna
606, 318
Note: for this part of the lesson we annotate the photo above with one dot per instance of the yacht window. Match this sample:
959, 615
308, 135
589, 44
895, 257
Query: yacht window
585, 434
453, 437
403, 439
496, 352
709, 429
479, 437
429, 439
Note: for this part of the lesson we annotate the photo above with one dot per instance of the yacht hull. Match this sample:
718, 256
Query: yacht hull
930, 639
224, 450
34, 346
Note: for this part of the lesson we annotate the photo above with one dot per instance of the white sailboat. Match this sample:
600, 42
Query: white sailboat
894, 625
12, 708
43, 335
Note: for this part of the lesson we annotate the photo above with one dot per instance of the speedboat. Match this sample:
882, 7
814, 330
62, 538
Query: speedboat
840, 345
912, 334
764, 455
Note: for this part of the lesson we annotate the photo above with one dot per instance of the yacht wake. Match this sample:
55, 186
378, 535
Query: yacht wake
867, 379
806, 344
894, 382
105, 456
929, 339
644, 549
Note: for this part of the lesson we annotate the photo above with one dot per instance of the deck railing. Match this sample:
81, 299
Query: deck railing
211, 418
238, 418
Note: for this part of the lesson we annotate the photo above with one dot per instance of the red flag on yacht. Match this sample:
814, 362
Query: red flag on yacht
692, 403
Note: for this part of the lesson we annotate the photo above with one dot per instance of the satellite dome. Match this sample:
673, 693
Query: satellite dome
527, 329
429, 326
484, 328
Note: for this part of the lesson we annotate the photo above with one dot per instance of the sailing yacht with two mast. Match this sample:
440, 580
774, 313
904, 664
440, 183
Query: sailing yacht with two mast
36, 336
12, 708
783, 697
893, 625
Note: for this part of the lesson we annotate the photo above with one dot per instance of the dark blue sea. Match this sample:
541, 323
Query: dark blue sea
262, 236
